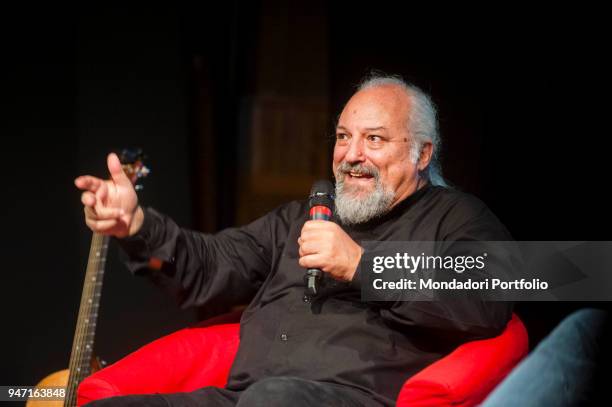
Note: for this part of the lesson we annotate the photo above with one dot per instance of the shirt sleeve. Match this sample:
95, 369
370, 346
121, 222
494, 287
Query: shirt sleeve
225, 268
460, 318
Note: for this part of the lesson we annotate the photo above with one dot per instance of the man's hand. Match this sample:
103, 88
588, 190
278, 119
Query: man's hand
111, 206
325, 246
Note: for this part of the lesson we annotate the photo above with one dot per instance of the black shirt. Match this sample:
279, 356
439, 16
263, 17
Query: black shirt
374, 347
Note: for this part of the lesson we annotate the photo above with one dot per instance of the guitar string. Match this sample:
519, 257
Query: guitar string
95, 264
93, 267
91, 308
75, 359
96, 297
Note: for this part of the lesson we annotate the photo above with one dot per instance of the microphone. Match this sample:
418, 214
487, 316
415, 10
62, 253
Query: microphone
321, 202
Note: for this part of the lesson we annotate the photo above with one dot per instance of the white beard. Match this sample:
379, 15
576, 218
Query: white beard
353, 209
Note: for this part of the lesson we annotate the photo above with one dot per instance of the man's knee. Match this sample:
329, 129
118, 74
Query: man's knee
579, 335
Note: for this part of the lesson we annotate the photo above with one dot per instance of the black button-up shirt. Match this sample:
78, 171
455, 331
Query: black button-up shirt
335, 337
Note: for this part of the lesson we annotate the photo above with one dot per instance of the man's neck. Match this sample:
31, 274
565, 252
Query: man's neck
420, 184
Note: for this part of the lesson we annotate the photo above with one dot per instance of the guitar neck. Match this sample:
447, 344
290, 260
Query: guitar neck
82, 346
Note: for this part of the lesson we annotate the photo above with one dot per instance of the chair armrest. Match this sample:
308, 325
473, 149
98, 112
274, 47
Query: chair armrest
467, 375
185, 360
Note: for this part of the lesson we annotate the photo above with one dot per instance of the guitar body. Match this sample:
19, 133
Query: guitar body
57, 379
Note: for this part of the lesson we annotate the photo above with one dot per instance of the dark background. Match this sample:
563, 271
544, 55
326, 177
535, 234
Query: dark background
522, 96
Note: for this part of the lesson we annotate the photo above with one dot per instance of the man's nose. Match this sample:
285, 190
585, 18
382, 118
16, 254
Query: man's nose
356, 151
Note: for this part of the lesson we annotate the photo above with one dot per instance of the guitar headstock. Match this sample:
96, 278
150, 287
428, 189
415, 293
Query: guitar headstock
132, 161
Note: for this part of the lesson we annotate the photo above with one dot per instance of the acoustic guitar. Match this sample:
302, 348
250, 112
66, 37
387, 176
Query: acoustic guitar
82, 362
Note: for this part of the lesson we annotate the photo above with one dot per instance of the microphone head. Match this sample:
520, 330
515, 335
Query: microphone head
322, 194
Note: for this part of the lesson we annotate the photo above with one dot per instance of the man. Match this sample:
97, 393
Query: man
333, 349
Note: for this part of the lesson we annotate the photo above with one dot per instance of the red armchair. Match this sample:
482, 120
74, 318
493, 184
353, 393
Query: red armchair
196, 357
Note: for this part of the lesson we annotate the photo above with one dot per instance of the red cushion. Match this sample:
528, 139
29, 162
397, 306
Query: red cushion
196, 357
467, 375
183, 361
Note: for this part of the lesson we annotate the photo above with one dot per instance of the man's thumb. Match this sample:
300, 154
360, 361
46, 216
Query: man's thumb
116, 171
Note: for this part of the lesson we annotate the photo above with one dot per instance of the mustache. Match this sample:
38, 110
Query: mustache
345, 168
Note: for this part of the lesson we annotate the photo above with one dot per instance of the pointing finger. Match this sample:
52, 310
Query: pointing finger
88, 182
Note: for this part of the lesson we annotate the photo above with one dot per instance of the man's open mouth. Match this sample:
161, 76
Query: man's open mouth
355, 174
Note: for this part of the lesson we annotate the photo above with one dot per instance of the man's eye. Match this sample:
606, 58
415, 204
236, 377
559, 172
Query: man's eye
341, 136
374, 138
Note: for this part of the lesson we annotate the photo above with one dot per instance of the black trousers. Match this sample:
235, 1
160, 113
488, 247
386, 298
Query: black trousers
269, 392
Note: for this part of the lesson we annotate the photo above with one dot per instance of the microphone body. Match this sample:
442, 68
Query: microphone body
321, 208
320, 212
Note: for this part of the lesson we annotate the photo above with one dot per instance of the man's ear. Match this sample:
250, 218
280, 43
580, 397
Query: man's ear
425, 155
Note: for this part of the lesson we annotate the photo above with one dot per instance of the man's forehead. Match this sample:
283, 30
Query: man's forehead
375, 108
363, 115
